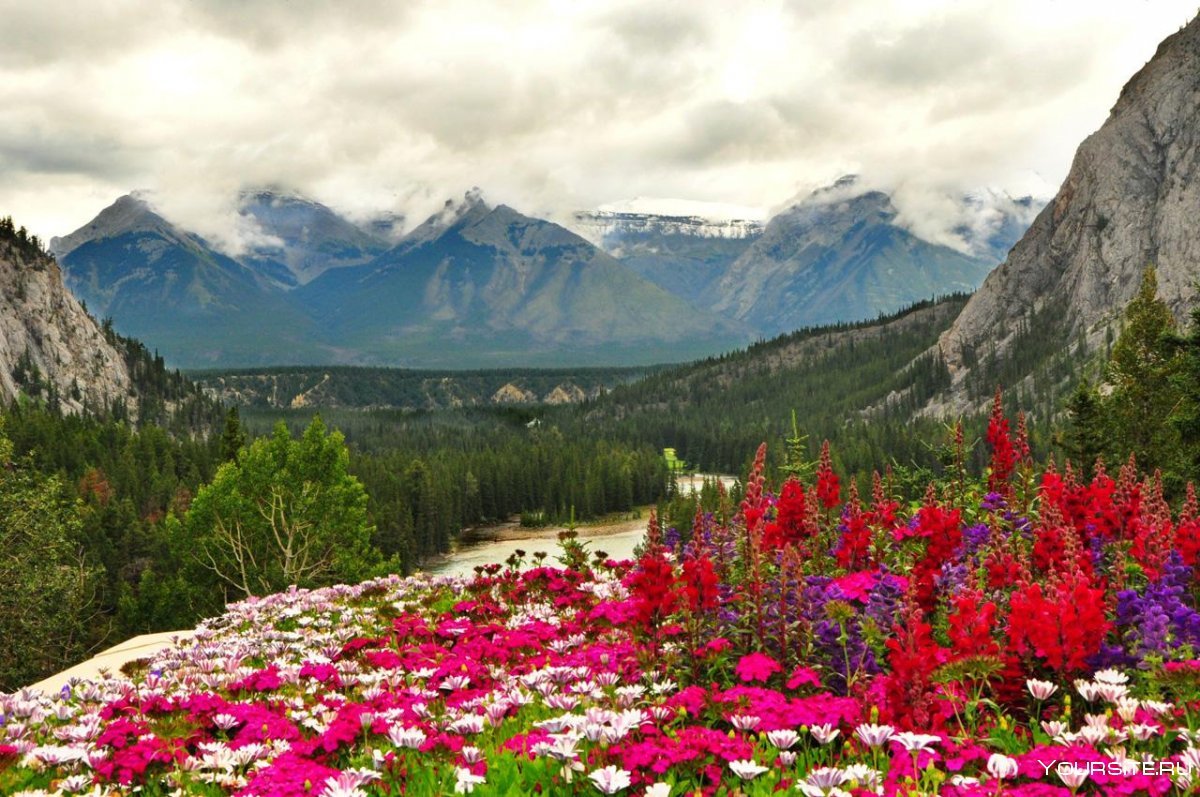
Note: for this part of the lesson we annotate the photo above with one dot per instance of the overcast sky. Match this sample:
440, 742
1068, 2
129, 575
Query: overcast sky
548, 106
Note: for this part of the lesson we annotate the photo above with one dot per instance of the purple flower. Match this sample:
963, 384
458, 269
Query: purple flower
993, 502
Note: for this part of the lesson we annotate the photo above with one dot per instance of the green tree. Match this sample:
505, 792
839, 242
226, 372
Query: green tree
1085, 437
1142, 371
286, 512
796, 458
49, 598
1186, 417
233, 437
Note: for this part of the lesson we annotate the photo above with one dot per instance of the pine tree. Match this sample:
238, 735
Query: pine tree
1141, 372
1186, 417
233, 438
1085, 436
796, 461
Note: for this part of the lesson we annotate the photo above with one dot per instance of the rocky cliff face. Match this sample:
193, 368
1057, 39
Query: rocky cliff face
1130, 200
48, 342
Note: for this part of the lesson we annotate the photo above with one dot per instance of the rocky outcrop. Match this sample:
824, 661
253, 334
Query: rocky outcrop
1129, 201
511, 394
49, 345
565, 393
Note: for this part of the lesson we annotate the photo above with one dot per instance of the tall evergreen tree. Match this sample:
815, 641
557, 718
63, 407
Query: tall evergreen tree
233, 437
1085, 438
1141, 372
1186, 417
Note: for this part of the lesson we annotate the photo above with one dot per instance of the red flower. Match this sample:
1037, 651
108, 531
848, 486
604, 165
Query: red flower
854, 550
829, 491
792, 525
971, 622
653, 589
1004, 454
1063, 625
700, 584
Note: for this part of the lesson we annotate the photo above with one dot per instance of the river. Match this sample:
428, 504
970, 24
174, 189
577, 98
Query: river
495, 544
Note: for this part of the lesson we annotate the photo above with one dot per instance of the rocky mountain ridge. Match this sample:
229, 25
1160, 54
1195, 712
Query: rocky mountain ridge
1129, 201
302, 238
478, 285
839, 255
50, 346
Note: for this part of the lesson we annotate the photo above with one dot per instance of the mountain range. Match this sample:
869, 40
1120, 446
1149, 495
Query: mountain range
838, 255
478, 285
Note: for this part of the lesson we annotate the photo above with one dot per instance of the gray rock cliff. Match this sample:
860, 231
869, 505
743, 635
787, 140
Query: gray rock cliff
47, 338
1131, 199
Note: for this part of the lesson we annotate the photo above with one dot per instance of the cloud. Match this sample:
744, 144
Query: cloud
550, 106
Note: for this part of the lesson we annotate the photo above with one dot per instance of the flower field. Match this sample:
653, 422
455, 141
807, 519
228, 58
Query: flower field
1024, 634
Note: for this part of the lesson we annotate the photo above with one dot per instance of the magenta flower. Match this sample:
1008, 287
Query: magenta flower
802, 676
756, 667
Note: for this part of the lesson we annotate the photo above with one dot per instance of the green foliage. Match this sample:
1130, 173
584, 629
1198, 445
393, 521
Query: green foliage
286, 512
164, 397
233, 437
715, 411
49, 593
19, 239
1141, 372
1150, 409
1186, 381
418, 389
1086, 436
429, 477
796, 458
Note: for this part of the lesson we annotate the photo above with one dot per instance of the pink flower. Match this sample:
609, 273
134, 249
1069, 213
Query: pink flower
756, 667
858, 585
801, 676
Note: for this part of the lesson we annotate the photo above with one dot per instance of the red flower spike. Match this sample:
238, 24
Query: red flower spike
752, 504
792, 524
1004, 454
828, 487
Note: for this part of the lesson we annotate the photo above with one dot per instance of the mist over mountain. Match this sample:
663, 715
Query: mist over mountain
306, 237
169, 288
479, 285
838, 255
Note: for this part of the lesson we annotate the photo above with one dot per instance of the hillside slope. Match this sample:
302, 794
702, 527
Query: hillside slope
169, 288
